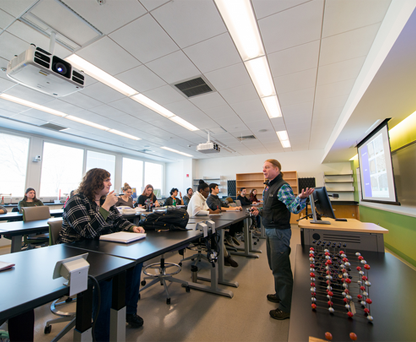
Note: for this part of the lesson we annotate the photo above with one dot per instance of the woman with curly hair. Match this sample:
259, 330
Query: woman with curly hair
91, 212
125, 199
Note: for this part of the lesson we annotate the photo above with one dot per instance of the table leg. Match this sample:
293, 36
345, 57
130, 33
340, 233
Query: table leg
118, 308
247, 242
83, 329
16, 243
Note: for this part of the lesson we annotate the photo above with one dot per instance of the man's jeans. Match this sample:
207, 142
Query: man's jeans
278, 250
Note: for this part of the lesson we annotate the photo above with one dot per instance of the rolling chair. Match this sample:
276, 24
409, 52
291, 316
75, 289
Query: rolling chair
34, 214
54, 229
162, 276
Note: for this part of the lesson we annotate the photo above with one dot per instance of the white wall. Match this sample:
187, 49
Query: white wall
176, 176
306, 163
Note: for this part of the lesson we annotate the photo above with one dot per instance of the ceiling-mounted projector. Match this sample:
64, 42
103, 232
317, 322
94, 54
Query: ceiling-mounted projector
40, 70
208, 147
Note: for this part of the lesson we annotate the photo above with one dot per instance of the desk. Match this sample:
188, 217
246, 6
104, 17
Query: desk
15, 216
19, 228
35, 267
353, 233
392, 293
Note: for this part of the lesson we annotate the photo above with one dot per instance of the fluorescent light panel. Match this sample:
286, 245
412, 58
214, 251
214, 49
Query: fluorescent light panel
145, 101
178, 120
100, 75
259, 72
123, 134
271, 104
242, 25
284, 138
176, 151
32, 105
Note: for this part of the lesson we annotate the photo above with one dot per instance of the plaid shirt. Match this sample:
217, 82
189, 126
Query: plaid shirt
83, 219
293, 203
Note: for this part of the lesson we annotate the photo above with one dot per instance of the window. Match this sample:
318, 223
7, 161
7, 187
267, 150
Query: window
14, 152
102, 161
153, 174
61, 170
133, 175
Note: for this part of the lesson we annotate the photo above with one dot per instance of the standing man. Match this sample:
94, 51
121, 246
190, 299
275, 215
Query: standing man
278, 202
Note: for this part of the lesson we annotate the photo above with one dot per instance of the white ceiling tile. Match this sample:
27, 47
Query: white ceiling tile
16, 8
220, 112
61, 19
5, 19
278, 124
120, 13
102, 93
346, 15
297, 109
144, 39
29, 119
164, 95
141, 79
264, 8
11, 46
12, 107
64, 107
83, 101
215, 53
344, 70
190, 22
334, 89
132, 107
31, 36
294, 97
294, 59
249, 111
207, 101
295, 26
295, 81
333, 112
184, 69
6, 84
348, 45
333, 103
112, 113
237, 94
108, 56
152, 4
34, 113
5, 112
228, 77
304, 118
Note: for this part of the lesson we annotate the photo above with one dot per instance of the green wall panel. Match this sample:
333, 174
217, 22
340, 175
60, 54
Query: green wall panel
401, 238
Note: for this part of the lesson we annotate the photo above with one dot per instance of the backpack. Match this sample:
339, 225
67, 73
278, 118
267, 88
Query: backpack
174, 219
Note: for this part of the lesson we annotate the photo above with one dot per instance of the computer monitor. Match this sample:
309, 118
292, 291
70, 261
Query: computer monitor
321, 206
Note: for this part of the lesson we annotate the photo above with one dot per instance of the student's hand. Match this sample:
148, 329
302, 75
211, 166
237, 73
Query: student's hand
254, 211
180, 194
215, 211
138, 229
110, 200
239, 208
306, 192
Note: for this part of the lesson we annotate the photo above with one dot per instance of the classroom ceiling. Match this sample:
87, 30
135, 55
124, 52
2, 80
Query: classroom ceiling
316, 51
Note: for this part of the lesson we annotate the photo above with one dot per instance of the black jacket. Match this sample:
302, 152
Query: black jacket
274, 212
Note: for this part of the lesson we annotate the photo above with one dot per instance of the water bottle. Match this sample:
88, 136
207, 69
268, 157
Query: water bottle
147, 203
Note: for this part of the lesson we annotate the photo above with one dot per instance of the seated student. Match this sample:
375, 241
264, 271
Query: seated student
198, 206
173, 200
3, 210
254, 200
125, 200
147, 194
242, 197
89, 214
213, 203
29, 200
187, 197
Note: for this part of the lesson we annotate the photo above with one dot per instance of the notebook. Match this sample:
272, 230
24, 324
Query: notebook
123, 237
5, 265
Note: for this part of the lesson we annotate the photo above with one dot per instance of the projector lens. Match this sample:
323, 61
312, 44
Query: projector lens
61, 67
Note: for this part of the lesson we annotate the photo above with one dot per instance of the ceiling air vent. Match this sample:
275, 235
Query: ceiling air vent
194, 87
53, 127
246, 137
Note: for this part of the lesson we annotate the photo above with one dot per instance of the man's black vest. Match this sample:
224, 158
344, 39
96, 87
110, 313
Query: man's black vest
275, 214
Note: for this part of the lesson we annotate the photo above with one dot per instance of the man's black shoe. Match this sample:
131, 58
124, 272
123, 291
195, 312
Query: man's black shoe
273, 298
279, 314
135, 321
228, 261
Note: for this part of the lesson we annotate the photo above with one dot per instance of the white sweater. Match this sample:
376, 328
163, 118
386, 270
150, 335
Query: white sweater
198, 205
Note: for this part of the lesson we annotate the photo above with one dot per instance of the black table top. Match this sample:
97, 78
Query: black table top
155, 243
15, 216
393, 307
22, 228
29, 284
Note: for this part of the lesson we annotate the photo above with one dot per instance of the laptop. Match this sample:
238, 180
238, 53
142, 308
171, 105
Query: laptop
123, 237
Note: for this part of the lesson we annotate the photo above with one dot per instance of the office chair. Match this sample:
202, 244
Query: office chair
54, 229
163, 276
34, 214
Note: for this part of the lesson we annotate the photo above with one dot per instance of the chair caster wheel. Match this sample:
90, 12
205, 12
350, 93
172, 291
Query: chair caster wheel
143, 282
255, 243
68, 300
188, 289
139, 296
168, 301
47, 329
180, 264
